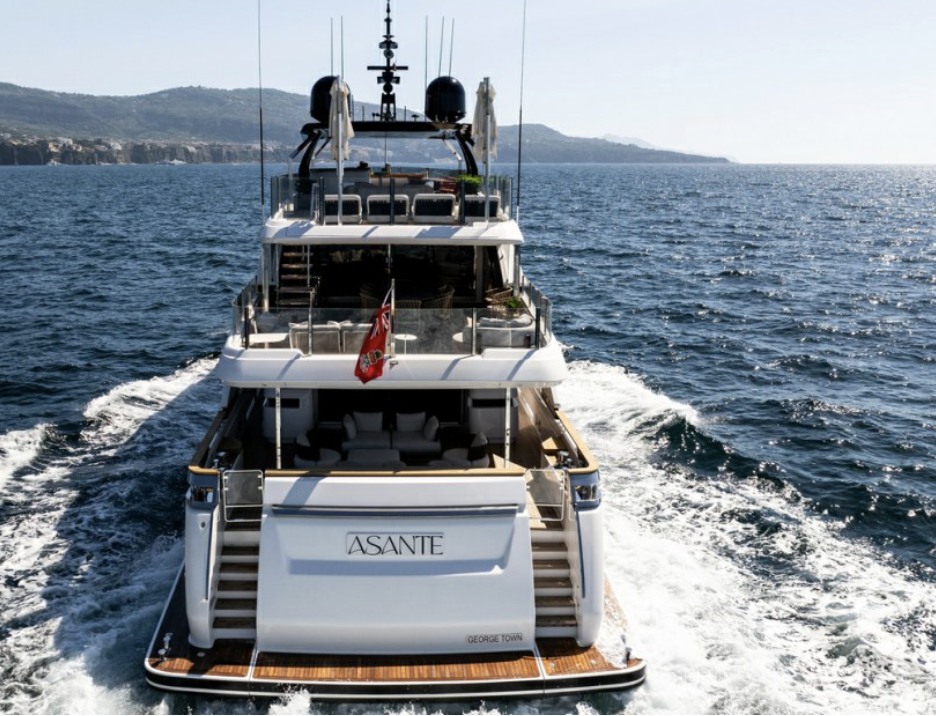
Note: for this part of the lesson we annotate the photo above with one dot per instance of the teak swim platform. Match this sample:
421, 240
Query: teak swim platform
233, 667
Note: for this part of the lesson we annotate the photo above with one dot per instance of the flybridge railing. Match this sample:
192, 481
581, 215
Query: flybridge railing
415, 331
313, 198
540, 307
243, 308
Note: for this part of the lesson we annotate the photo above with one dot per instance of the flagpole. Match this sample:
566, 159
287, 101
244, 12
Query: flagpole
392, 314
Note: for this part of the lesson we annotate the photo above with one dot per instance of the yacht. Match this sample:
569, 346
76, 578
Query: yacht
390, 503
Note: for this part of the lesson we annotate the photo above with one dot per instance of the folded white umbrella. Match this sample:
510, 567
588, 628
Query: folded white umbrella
484, 105
339, 113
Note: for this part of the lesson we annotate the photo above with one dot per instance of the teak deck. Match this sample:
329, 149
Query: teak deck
234, 668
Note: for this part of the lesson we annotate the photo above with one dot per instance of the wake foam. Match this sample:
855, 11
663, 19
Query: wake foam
114, 417
739, 597
18, 448
85, 559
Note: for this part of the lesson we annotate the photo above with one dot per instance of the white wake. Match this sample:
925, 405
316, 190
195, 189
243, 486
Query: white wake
74, 582
834, 627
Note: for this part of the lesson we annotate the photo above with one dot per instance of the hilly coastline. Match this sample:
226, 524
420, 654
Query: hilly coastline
199, 124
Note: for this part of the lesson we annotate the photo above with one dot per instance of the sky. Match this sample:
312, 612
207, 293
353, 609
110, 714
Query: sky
772, 81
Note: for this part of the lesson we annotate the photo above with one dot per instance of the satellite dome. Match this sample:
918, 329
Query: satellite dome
445, 100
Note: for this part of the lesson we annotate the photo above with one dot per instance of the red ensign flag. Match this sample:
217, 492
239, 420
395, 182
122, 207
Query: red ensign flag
370, 362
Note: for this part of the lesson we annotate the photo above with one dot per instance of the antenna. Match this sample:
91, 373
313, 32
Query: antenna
441, 43
331, 23
260, 91
520, 130
426, 62
342, 47
388, 72
451, 47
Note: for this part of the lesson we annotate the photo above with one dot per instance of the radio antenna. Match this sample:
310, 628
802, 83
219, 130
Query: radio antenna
520, 129
260, 91
331, 24
451, 47
342, 47
426, 61
388, 76
441, 43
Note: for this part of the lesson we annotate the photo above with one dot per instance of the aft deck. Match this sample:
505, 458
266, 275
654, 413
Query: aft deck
540, 434
234, 667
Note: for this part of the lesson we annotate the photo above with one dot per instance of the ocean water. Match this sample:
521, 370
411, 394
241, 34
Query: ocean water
752, 359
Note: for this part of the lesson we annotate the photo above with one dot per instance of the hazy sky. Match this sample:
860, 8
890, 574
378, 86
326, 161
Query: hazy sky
758, 80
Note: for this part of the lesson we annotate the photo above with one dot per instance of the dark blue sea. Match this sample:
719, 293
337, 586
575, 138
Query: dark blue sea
753, 359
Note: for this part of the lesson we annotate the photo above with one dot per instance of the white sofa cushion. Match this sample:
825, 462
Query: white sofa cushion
410, 422
327, 458
474, 456
431, 430
458, 457
379, 440
414, 441
368, 422
350, 430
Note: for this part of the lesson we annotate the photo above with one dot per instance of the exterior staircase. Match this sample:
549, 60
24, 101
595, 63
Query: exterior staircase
552, 586
235, 613
295, 283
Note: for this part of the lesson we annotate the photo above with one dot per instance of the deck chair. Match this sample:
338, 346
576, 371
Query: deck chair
378, 208
434, 209
350, 209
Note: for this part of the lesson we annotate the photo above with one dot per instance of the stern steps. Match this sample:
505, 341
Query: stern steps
235, 610
552, 586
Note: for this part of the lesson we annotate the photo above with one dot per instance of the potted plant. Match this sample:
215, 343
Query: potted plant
472, 183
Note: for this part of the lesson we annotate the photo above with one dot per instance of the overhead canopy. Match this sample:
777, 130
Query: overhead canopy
313, 131
413, 129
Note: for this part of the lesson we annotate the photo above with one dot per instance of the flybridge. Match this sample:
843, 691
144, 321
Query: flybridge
331, 105
423, 197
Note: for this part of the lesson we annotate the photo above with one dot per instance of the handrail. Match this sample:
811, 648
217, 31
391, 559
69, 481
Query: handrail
578, 532
211, 536
591, 464
227, 505
331, 472
466, 511
561, 483
453, 331
203, 446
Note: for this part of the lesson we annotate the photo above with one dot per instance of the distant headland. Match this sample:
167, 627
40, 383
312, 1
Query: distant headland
196, 125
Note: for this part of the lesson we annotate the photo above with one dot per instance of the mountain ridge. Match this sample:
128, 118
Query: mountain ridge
181, 119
